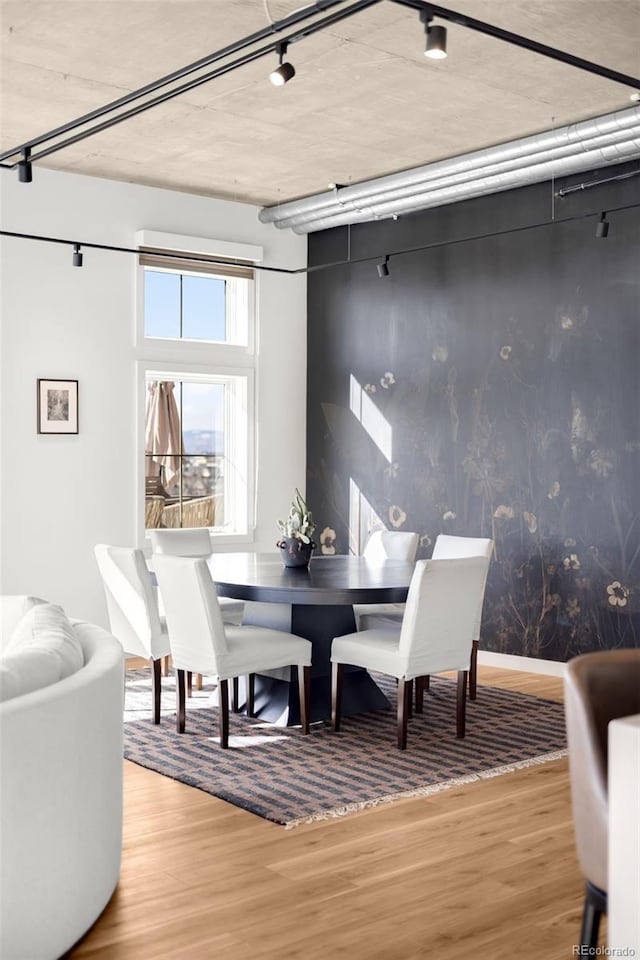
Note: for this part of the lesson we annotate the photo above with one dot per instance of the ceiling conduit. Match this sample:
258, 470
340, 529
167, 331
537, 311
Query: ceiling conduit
613, 138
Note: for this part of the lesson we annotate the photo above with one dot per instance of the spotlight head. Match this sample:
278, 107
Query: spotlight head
25, 172
77, 256
436, 43
383, 268
285, 71
602, 227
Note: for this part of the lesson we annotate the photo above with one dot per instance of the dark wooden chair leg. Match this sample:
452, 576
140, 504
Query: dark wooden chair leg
156, 686
337, 671
181, 701
404, 693
251, 694
304, 688
410, 702
189, 676
473, 672
461, 703
419, 685
198, 681
223, 697
595, 904
235, 694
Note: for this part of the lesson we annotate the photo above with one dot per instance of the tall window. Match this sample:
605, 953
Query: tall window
197, 419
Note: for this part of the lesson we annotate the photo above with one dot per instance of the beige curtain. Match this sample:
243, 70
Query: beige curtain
163, 439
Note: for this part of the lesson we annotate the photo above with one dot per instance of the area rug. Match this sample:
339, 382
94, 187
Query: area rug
280, 775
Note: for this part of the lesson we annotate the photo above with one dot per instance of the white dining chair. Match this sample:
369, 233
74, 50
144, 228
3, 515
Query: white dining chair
385, 545
440, 621
202, 643
448, 547
194, 542
133, 611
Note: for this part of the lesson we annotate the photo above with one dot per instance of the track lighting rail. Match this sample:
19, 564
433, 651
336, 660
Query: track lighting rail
462, 20
164, 91
350, 261
276, 27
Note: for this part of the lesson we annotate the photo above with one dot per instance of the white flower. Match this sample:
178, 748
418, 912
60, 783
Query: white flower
571, 562
397, 516
440, 354
531, 521
449, 515
327, 541
618, 595
370, 387
505, 352
554, 490
504, 512
425, 540
387, 380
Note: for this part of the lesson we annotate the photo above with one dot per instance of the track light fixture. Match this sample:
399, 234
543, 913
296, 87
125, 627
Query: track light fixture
25, 172
286, 71
602, 227
77, 255
436, 48
383, 268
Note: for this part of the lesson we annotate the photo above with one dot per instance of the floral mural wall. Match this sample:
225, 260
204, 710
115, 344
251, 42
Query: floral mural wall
503, 379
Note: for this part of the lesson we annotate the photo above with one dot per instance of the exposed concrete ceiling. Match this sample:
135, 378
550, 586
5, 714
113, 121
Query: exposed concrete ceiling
364, 102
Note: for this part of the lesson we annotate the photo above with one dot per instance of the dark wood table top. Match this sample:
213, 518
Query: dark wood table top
332, 580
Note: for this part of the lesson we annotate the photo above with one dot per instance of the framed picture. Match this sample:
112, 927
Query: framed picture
57, 406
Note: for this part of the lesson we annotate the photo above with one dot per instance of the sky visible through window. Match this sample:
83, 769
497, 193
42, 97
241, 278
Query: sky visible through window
202, 307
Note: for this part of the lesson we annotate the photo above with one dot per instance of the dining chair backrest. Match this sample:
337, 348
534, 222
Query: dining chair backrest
448, 548
196, 629
182, 542
131, 603
391, 545
441, 614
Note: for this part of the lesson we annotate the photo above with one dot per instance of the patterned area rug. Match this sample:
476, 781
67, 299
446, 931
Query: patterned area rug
278, 774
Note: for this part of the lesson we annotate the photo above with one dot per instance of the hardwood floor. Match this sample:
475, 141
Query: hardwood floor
487, 871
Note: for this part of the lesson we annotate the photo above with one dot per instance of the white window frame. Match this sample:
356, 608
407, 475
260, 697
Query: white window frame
197, 359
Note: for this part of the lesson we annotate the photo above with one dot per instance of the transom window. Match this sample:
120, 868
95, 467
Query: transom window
184, 301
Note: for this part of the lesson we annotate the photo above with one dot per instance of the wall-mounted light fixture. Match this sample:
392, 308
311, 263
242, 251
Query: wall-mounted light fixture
286, 71
77, 255
602, 227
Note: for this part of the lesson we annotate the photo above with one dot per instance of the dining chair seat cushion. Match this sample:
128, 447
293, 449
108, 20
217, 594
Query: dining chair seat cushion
244, 656
373, 649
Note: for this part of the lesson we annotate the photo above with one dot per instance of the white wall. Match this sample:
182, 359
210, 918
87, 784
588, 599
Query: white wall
63, 494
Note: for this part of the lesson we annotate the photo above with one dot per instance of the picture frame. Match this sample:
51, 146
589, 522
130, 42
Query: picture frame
57, 403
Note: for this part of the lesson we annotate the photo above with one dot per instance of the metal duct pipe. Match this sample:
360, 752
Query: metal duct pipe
609, 146
479, 188
610, 138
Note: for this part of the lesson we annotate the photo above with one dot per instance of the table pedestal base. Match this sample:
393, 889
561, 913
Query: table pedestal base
276, 697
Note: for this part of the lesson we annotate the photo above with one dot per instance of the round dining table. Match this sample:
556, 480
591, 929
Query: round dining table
315, 602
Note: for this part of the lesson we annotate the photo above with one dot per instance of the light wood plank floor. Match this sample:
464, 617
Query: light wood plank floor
485, 871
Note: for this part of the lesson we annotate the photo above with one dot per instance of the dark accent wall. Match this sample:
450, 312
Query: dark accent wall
506, 373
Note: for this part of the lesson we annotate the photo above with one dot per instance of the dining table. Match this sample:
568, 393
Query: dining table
314, 602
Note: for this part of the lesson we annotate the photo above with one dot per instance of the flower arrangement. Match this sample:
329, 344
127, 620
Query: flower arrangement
299, 524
